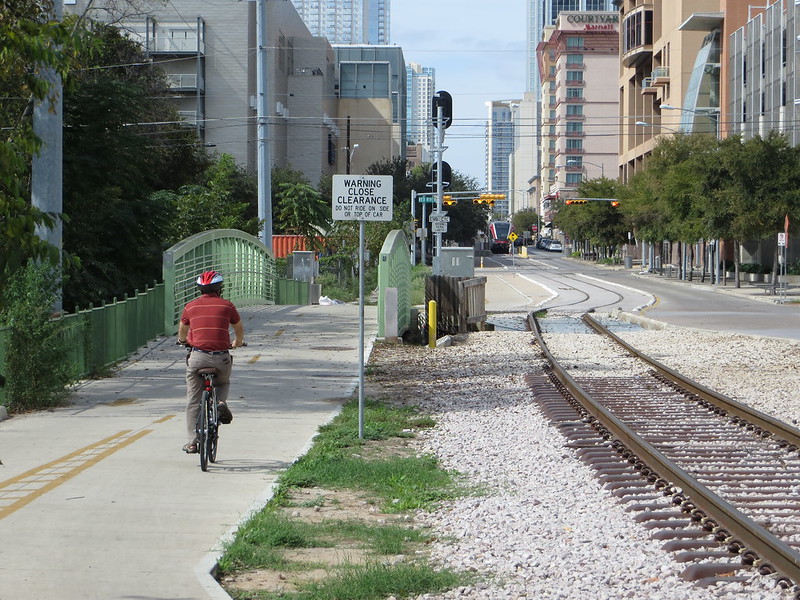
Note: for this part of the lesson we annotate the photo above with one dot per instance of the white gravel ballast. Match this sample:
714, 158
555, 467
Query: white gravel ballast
545, 528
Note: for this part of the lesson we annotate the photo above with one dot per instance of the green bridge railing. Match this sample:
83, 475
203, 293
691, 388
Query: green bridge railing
244, 261
394, 271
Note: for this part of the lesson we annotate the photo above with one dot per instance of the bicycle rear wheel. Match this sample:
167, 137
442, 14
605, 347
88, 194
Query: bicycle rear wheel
203, 431
213, 428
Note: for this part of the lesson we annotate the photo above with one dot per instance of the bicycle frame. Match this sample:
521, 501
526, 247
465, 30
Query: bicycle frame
207, 428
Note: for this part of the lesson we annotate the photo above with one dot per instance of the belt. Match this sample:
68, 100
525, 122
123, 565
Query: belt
210, 351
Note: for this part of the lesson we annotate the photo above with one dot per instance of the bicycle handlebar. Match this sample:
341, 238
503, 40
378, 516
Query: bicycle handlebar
186, 345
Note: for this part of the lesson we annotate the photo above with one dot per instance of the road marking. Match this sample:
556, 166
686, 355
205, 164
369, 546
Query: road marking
25, 488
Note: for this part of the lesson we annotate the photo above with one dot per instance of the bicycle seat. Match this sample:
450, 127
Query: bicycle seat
207, 371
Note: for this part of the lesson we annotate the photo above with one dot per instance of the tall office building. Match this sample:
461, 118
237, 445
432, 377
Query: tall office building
542, 13
420, 87
500, 142
347, 21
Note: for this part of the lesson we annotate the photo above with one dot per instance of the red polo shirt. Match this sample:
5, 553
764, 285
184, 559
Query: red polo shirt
209, 318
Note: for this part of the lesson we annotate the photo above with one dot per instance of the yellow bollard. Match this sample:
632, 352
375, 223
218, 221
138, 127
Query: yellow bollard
481, 262
432, 324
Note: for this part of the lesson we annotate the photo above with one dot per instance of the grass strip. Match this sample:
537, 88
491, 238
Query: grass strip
337, 461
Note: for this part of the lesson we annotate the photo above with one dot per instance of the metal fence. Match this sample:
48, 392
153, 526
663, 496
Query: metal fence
97, 337
394, 271
245, 262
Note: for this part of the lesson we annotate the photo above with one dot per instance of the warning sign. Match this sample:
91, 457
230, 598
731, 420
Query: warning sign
362, 197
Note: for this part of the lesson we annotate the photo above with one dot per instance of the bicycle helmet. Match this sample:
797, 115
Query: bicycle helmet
209, 278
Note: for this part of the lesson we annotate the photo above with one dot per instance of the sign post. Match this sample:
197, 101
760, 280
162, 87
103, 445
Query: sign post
362, 198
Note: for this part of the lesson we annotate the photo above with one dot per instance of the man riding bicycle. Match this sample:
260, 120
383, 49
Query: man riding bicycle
204, 327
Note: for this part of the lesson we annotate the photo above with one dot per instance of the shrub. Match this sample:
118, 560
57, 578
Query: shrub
37, 365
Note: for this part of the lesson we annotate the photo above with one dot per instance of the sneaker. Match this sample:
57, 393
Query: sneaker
225, 414
190, 448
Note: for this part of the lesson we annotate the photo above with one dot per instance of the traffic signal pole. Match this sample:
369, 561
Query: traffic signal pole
437, 260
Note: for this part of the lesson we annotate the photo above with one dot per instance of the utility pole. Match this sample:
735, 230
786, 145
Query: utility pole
47, 164
264, 153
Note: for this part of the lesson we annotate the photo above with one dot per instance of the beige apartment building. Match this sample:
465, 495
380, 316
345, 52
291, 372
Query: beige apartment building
578, 58
673, 71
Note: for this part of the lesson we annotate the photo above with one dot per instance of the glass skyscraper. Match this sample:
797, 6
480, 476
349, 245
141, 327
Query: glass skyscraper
347, 21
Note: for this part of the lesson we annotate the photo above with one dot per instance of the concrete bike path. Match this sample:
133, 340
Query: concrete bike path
97, 501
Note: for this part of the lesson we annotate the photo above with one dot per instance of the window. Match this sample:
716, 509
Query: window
575, 110
575, 160
574, 178
574, 59
575, 41
574, 92
574, 76
574, 144
574, 127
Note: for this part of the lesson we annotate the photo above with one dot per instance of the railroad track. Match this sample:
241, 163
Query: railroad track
717, 481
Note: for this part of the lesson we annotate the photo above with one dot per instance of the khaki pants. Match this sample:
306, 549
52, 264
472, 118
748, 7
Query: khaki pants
195, 384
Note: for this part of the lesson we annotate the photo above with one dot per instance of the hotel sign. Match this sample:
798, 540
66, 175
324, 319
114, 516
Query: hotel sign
589, 21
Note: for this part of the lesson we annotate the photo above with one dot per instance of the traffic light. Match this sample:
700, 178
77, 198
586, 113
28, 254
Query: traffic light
490, 198
575, 202
447, 174
449, 200
445, 100
614, 203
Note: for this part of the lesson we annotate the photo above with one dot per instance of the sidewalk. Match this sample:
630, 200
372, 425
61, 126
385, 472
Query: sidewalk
134, 517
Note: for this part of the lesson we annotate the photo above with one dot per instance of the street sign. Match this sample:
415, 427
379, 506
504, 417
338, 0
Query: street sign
781, 239
513, 236
362, 197
426, 198
439, 217
439, 226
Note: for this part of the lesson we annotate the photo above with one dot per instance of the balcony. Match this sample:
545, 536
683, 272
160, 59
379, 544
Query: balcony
184, 82
660, 76
648, 86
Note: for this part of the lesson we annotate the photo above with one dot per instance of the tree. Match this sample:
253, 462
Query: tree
223, 201
524, 220
600, 223
122, 143
29, 40
303, 211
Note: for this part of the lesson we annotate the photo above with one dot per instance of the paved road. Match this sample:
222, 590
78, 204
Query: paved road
556, 282
98, 502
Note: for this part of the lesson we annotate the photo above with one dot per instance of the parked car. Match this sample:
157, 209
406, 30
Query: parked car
555, 246
544, 243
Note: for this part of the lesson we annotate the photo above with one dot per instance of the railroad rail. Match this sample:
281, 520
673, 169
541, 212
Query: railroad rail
728, 468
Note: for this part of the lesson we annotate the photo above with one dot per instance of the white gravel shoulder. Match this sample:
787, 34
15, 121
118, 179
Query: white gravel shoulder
545, 529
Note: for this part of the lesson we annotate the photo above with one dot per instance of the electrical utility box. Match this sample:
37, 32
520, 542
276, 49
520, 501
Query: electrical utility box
303, 266
458, 262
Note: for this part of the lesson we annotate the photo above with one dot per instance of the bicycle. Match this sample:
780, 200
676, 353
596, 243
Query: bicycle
207, 428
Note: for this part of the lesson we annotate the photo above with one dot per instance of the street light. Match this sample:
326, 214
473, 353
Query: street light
646, 124
578, 163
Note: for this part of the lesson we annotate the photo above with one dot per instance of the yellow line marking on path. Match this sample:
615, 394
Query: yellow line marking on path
26, 487
164, 419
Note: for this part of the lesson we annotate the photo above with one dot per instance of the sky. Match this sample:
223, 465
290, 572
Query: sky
478, 51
